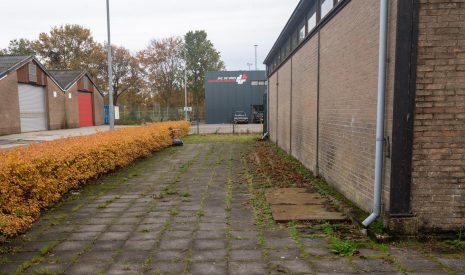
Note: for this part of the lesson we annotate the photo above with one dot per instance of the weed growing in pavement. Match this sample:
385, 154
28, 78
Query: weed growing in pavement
26, 264
174, 212
58, 220
105, 204
77, 207
311, 236
457, 243
228, 199
294, 232
185, 194
44, 250
328, 228
45, 271
133, 174
344, 247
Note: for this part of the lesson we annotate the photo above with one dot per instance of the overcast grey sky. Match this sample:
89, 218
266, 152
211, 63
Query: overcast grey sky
233, 26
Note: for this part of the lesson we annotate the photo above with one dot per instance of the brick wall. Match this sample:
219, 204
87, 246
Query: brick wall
72, 108
348, 92
98, 108
272, 106
56, 106
347, 101
284, 107
9, 111
438, 175
304, 104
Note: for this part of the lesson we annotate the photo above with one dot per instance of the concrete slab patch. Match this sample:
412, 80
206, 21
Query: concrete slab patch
169, 256
167, 268
246, 255
208, 268
217, 255
251, 268
292, 267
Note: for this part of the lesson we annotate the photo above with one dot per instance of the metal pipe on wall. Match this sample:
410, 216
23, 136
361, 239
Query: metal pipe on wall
378, 183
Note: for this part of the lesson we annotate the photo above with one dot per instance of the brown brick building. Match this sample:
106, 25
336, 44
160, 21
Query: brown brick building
74, 84
322, 102
32, 99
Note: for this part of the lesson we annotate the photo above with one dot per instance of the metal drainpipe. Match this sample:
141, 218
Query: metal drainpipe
383, 22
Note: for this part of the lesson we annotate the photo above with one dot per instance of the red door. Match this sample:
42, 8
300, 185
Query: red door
85, 109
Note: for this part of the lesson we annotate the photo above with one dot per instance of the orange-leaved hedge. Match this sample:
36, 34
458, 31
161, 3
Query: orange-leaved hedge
34, 177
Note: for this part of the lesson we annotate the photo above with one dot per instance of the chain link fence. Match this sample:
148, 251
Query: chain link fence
137, 115
130, 115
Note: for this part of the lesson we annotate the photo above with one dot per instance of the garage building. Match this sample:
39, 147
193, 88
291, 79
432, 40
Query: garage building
30, 98
229, 91
323, 102
84, 101
33, 98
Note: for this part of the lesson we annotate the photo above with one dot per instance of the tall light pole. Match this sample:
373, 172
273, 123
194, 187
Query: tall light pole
256, 62
111, 108
185, 82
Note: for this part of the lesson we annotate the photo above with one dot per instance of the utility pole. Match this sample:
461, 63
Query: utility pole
256, 61
111, 108
185, 83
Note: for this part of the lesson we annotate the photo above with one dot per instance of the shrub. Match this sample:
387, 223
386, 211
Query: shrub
35, 177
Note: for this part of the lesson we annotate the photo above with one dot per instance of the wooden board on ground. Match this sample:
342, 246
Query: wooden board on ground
284, 213
277, 197
296, 204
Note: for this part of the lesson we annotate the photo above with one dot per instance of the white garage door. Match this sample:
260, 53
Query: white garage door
32, 108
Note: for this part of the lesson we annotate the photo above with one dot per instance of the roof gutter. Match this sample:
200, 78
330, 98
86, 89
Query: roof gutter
379, 155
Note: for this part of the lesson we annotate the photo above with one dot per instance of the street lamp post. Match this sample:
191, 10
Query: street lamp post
185, 84
256, 61
111, 108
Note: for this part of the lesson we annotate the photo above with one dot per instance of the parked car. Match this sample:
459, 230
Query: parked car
258, 117
240, 117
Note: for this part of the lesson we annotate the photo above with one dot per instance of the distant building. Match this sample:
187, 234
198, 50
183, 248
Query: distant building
84, 104
229, 91
33, 98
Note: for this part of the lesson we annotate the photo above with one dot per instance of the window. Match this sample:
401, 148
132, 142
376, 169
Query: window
326, 6
295, 40
302, 32
288, 47
254, 83
262, 83
311, 20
